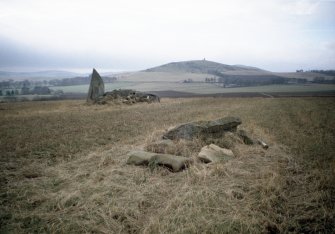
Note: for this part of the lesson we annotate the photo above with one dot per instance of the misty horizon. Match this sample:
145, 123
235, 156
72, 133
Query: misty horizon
276, 35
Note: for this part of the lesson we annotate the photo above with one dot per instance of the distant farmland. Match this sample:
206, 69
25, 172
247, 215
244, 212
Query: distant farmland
199, 88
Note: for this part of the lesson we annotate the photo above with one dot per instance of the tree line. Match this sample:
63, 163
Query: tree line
11, 84
245, 80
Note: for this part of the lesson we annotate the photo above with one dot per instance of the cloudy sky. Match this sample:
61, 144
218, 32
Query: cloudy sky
277, 35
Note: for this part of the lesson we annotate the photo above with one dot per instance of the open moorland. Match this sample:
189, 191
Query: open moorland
63, 168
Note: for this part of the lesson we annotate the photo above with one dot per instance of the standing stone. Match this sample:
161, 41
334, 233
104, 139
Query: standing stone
97, 87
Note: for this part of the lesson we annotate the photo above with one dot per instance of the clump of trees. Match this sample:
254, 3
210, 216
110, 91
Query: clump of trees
245, 80
325, 72
211, 80
323, 80
9, 92
188, 81
26, 87
40, 90
11, 84
78, 81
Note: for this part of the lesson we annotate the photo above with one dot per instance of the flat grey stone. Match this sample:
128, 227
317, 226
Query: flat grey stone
214, 153
139, 157
173, 162
203, 129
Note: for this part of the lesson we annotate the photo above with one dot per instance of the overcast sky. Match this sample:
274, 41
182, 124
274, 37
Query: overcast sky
276, 35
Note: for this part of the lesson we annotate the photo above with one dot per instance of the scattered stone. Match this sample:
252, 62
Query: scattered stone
139, 157
245, 137
97, 87
96, 93
204, 129
127, 96
174, 163
214, 153
220, 136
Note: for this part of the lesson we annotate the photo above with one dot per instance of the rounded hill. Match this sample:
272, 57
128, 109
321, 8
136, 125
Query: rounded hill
200, 66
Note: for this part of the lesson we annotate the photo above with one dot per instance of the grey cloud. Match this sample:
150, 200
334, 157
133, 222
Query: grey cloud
17, 55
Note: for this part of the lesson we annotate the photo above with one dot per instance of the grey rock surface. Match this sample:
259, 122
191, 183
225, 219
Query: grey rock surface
127, 96
173, 162
139, 157
213, 153
97, 87
215, 128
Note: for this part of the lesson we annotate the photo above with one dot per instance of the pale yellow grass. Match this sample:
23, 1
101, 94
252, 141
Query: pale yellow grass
64, 169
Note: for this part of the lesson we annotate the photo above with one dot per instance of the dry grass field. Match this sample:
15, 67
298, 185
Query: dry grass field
63, 169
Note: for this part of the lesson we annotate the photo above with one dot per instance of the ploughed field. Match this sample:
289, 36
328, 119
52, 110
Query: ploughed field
63, 168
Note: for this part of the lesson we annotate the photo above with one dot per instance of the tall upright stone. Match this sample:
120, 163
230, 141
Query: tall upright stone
97, 87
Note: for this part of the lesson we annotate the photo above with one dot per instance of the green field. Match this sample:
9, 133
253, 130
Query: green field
199, 88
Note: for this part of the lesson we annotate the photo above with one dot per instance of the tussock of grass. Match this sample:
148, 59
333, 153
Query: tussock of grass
63, 168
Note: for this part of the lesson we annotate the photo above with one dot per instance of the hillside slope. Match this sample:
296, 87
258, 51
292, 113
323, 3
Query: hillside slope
199, 71
200, 66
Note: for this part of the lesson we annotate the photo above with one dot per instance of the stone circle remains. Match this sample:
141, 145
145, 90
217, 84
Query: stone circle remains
224, 128
97, 94
206, 131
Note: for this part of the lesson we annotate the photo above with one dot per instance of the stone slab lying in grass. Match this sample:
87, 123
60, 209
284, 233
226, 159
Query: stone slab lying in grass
214, 153
139, 157
174, 163
203, 128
